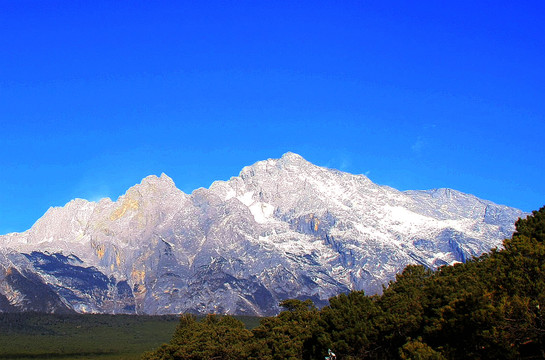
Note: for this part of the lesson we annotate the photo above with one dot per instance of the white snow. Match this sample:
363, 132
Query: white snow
246, 198
262, 212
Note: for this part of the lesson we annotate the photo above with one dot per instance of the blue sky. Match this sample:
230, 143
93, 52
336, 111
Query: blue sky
96, 95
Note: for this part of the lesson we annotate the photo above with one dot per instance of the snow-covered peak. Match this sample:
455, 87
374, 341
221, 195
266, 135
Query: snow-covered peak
282, 228
289, 162
293, 158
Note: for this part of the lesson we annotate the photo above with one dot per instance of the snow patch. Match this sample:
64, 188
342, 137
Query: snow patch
262, 212
247, 198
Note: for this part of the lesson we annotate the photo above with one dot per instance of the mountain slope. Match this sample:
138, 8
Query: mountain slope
284, 228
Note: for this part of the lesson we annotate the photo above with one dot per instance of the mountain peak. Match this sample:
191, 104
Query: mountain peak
153, 187
154, 179
292, 158
153, 182
287, 161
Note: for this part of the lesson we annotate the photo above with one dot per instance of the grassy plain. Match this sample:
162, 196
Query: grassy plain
89, 336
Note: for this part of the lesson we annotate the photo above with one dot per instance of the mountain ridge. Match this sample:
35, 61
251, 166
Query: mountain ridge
283, 228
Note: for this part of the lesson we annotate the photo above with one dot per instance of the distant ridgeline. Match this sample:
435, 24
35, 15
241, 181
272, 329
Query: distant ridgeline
283, 229
491, 307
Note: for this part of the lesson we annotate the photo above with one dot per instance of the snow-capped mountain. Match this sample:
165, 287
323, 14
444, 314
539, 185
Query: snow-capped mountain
284, 228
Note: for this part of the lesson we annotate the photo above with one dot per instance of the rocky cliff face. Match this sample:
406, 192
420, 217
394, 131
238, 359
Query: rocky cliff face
284, 228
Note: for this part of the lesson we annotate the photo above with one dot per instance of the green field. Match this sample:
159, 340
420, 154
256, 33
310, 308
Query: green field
90, 336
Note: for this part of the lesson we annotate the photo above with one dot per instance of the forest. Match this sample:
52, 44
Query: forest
491, 307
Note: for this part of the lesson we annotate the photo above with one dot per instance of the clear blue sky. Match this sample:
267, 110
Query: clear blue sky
96, 95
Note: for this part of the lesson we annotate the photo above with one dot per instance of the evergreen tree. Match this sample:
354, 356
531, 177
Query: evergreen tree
292, 334
349, 326
215, 337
